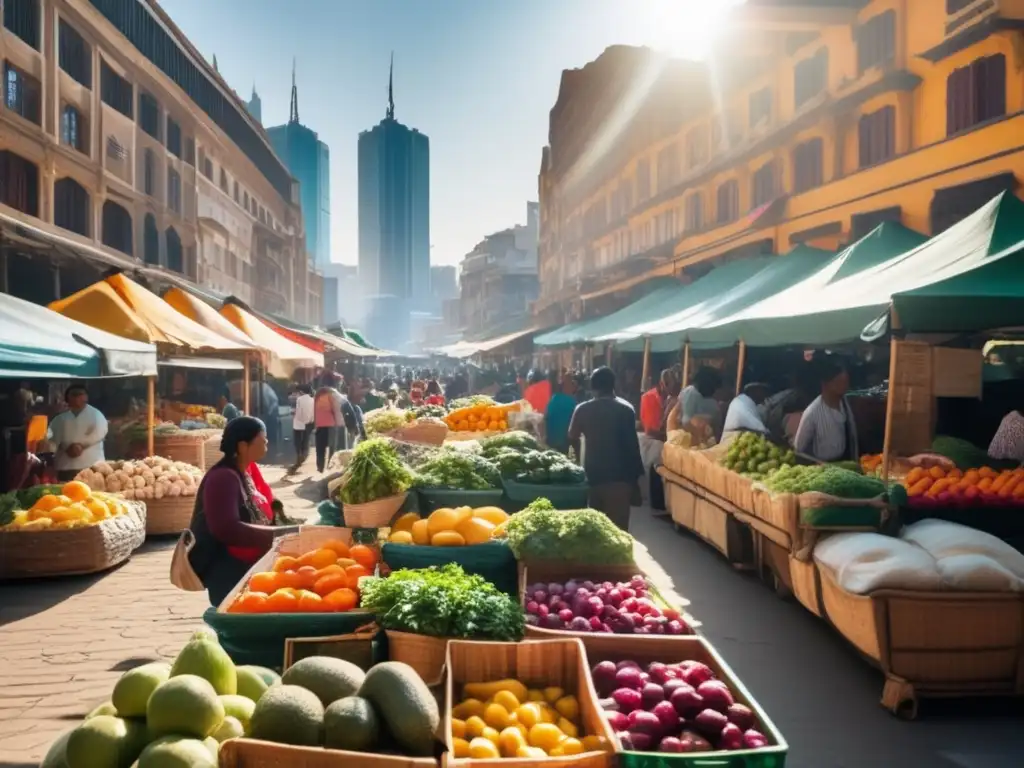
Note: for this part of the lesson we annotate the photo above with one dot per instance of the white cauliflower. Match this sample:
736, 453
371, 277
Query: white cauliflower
158, 492
147, 475
129, 493
139, 482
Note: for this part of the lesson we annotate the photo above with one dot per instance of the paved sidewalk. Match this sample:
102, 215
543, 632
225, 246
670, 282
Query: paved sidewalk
64, 642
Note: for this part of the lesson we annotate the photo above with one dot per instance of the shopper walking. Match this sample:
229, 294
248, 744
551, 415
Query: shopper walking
303, 422
327, 417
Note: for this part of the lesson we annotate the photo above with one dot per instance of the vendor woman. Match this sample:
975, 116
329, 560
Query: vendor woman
827, 431
229, 522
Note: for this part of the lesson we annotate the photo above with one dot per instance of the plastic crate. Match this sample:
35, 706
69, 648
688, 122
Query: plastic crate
438, 498
561, 496
493, 561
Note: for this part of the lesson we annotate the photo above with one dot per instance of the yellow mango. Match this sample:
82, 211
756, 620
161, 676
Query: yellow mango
534, 695
510, 741
493, 515
483, 749
420, 533
468, 709
475, 530
475, 727
569, 746
547, 713
400, 537
529, 714
405, 522
496, 716
508, 700
447, 539
458, 728
460, 747
491, 734
567, 728
546, 736
486, 691
553, 694
446, 519
568, 707
534, 752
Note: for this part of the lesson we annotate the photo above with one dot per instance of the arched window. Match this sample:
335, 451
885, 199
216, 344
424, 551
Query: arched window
150, 240
174, 258
72, 128
71, 206
117, 227
149, 172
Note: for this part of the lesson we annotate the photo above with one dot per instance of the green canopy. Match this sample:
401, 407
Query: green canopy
776, 273
828, 306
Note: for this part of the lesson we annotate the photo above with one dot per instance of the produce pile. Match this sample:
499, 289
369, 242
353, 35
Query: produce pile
539, 468
384, 420
324, 580
824, 478
504, 718
151, 478
443, 601
470, 402
540, 532
57, 507
426, 411
984, 486
459, 470
450, 527
515, 441
375, 472
414, 454
753, 455
625, 608
482, 416
673, 708
177, 715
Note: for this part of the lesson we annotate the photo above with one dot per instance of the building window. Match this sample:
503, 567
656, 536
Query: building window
150, 240
173, 137
117, 227
149, 114
727, 208
75, 55
668, 167
808, 165
71, 206
810, 77
173, 190
760, 107
876, 136
223, 181
876, 41
643, 179
72, 128
115, 91
22, 94
173, 243
190, 151
19, 183
694, 212
149, 173
245, 200
22, 18
696, 147
236, 190
976, 93
763, 186
262, 215
955, 6
207, 168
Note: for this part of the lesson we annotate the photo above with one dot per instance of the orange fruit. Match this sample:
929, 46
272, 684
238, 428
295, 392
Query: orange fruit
339, 547
310, 602
282, 601
330, 570
323, 557
265, 581
342, 600
285, 564
250, 602
306, 577
365, 556
76, 490
324, 586
47, 502
355, 573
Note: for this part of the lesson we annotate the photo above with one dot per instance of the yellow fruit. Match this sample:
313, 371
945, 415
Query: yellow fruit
475, 530
546, 736
529, 714
420, 533
547, 713
446, 519
533, 752
568, 707
594, 744
458, 728
507, 699
492, 515
491, 734
553, 694
37, 514
497, 716
499, 531
510, 741
534, 695
405, 522
97, 508
570, 746
483, 749
567, 728
400, 537
475, 726
447, 539
468, 708
46, 503
485, 691
460, 747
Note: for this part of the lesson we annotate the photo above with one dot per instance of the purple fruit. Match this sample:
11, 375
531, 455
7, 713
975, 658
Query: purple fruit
535, 588
696, 741
667, 716
710, 722
731, 737
588, 585
641, 631
542, 610
540, 596
676, 627
595, 623
642, 742
716, 695
644, 722
553, 602
531, 607
629, 677
660, 673
571, 587
555, 589
652, 693
615, 596
754, 739
671, 744
672, 685
601, 593
741, 715
625, 739
532, 620
603, 675
686, 700
579, 624
617, 720
551, 621
696, 673
565, 615
630, 664
628, 699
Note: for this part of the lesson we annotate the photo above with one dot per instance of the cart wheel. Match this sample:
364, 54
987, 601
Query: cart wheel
899, 697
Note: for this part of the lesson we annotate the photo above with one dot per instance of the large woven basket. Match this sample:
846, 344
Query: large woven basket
34, 554
424, 654
169, 515
187, 447
373, 514
427, 432
211, 450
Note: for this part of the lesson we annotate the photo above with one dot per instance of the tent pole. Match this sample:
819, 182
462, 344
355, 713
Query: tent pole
890, 406
245, 383
686, 366
741, 361
150, 415
646, 370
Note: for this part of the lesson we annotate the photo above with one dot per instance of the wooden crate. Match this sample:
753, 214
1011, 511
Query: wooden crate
681, 503
251, 753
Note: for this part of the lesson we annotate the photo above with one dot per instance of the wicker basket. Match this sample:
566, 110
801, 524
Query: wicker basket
374, 514
188, 447
539, 664
169, 515
250, 753
33, 554
424, 654
426, 432
211, 450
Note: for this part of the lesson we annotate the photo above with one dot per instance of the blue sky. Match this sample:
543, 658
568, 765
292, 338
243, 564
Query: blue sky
477, 76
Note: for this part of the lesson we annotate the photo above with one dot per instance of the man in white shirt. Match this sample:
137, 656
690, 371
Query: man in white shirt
77, 434
743, 415
302, 423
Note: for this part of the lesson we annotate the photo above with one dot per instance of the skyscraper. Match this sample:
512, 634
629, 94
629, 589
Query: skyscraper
394, 209
308, 159
255, 106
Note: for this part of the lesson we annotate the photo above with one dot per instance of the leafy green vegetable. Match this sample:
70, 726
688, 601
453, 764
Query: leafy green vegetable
520, 442
542, 468
828, 478
384, 420
443, 601
375, 472
459, 471
469, 402
422, 411
541, 532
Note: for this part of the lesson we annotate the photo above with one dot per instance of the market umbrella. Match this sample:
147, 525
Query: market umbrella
285, 354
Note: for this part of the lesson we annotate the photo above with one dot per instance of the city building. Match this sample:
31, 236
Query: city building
444, 283
120, 146
394, 210
498, 279
255, 106
309, 161
817, 121
342, 302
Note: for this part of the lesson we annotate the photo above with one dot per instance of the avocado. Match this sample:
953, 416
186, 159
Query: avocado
351, 723
330, 679
405, 704
288, 714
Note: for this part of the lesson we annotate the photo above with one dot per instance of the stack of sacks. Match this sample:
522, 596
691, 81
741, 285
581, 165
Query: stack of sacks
930, 555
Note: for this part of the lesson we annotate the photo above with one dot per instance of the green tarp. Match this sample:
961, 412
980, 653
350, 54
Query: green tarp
776, 274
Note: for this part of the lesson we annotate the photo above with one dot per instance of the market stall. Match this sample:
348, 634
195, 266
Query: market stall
285, 355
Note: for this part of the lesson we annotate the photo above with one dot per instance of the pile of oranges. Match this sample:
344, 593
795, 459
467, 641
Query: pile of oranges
325, 580
978, 485
77, 506
480, 418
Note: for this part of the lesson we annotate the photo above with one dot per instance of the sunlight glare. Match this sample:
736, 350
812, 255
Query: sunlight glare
684, 28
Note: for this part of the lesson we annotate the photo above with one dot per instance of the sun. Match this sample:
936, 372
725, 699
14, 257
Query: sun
685, 28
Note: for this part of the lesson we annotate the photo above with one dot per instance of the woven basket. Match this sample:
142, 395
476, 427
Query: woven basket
187, 447
211, 450
373, 514
427, 432
33, 554
424, 654
171, 514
